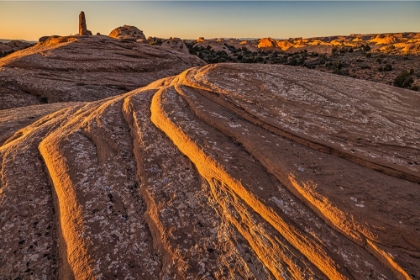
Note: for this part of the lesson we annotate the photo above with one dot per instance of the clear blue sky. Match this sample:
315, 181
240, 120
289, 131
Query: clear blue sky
190, 19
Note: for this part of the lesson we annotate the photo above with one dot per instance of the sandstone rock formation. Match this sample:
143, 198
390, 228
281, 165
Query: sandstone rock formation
267, 43
127, 32
82, 25
403, 43
227, 171
176, 44
75, 68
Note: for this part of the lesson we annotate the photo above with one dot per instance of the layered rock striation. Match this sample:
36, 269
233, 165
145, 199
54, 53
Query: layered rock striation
225, 171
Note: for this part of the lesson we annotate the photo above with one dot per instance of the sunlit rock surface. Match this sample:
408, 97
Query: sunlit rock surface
75, 68
225, 171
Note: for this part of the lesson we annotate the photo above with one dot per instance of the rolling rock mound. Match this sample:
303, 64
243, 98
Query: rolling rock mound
127, 32
225, 171
84, 68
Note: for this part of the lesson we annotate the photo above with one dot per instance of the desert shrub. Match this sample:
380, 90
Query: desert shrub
386, 67
344, 72
416, 88
156, 41
366, 48
293, 61
6, 53
403, 80
365, 66
259, 59
322, 58
247, 59
339, 68
369, 55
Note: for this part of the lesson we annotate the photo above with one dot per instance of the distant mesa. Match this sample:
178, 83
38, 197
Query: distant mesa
200, 39
176, 44
127, 32
83, 26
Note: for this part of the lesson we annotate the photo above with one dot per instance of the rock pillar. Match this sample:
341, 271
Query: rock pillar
82, 25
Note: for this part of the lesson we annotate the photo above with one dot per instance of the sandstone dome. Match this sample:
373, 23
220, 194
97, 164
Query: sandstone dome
267, 43
127, 32
176, 44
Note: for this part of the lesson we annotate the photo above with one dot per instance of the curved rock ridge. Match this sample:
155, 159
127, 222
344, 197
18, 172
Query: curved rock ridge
226, 171
78, 68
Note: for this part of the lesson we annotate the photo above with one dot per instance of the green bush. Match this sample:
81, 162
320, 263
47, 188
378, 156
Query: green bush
403, 80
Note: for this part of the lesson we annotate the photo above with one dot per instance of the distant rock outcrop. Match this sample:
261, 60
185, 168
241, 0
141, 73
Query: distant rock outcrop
267, 43
385, 39
84, 68
176, 44
227, 171
82, 25
12, 46
127, 32
395, 43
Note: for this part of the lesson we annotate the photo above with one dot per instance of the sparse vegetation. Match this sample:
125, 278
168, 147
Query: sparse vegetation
358, 61
404, 80
386, 67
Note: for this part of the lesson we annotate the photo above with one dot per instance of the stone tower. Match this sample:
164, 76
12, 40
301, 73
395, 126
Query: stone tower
82, 25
